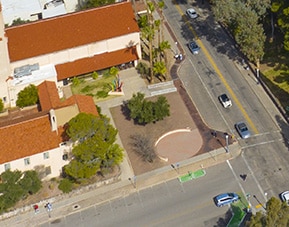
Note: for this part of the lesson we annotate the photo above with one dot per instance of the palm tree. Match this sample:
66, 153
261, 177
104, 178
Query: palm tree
164, 45
157, 24
149, 30
161, 5
160, 69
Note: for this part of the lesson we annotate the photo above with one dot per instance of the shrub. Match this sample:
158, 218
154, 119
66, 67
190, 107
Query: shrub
65, 185
1, 105
75, 81
102, 94
28, 96
94, 75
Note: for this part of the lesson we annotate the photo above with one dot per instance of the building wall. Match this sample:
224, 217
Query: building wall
80, 52
5, 69
53, 163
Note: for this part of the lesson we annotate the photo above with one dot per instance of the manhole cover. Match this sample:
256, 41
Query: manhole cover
76, 206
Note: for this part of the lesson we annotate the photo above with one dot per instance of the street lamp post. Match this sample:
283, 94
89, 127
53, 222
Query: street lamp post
227, 142
133, 181
177, 49
258, 75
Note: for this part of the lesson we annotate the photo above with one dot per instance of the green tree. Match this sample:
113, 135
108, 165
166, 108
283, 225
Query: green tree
113, 71
243, 17
30, 182
19, 21
142, 69
96, 3
135, 105
17, 185
281, 10
143, 111
277, 214
161, 108
28, 96
95, 146
65, 185
1, 105
250, 36
164, 45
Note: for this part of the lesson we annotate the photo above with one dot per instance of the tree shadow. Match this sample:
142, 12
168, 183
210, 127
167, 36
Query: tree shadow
223, 221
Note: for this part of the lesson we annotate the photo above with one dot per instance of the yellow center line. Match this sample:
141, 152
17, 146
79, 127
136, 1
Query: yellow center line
215, 67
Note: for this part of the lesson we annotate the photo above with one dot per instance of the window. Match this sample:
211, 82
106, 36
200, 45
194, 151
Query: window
46, 155
65, 157
7, 166
5, 99
27, 161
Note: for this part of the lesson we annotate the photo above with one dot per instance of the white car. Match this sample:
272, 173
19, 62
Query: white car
192, 13
225, 100
285, 197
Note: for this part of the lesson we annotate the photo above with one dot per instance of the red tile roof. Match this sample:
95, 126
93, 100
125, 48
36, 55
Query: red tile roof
48, 95
95, 63
27, 138
71, 30
49, 99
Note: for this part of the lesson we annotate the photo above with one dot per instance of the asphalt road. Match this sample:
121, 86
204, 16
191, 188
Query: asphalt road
167, 204
217, 69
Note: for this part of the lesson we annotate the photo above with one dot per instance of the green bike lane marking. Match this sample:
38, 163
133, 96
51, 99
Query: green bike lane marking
217, 70
192, 175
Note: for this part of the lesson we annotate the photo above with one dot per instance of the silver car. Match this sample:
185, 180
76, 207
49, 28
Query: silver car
243, 130
285, 197
192, 13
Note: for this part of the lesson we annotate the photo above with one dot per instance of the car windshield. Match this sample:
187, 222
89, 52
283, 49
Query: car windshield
194, 45
225, 98
243, 128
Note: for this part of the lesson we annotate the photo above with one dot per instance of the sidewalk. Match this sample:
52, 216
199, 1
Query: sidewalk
120, 189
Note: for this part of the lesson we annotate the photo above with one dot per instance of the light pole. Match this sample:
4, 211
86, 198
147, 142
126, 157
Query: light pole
227, 142
133, 181
177, 49
258, 75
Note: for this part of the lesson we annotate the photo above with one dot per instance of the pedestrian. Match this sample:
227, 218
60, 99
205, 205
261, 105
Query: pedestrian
36, 208
243, 176
214, 133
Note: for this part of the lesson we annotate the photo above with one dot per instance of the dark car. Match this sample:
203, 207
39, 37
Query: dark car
194, 48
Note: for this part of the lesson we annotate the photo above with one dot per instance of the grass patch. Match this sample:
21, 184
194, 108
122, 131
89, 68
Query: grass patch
239, 211
97, 88
239, 214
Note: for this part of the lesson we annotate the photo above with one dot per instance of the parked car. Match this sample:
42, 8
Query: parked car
225, 198
284, 196
194, 48
243, 130
225, 100
192, 13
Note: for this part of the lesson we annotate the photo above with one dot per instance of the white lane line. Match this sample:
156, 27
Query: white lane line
236, 177
209, 94
261, 143
254, 178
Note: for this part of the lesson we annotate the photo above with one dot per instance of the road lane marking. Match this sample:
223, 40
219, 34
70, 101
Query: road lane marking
253, 176
215, 67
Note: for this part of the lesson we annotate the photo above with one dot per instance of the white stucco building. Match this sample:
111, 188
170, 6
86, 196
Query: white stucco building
66, 46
